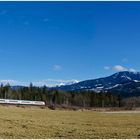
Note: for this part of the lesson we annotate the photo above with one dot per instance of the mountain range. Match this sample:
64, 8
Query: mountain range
125, 83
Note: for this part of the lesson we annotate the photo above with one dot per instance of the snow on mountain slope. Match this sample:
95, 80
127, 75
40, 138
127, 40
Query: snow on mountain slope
111, 83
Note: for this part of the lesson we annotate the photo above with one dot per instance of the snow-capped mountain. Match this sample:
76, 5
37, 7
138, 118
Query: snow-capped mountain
67, 83
122, 82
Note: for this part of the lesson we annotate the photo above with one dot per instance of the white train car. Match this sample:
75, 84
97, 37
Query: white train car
22, 102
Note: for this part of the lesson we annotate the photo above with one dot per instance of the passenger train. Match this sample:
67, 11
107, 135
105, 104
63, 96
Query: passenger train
21, 102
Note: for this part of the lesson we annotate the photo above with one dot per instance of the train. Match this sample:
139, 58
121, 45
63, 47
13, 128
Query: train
22, 102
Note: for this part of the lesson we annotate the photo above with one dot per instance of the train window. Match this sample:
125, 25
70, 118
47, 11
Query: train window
25, 102
13, 101
41, 103
36, 102
2, 100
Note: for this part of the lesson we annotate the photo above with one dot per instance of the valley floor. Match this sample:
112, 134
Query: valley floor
32, 122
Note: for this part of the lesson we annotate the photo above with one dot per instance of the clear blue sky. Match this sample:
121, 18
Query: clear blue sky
68, 40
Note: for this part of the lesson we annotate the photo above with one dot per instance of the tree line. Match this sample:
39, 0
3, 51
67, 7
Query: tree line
57, 97
53, 97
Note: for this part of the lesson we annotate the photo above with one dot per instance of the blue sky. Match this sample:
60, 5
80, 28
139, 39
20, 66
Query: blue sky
58, 42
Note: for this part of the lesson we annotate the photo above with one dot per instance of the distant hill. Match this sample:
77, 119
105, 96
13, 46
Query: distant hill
124, 83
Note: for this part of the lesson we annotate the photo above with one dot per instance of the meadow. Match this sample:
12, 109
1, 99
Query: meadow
33, 122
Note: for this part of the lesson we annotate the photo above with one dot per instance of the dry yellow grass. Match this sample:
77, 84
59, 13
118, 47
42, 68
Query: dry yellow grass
17, 122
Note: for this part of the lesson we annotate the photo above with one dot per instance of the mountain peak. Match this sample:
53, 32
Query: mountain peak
117, 81
127, 75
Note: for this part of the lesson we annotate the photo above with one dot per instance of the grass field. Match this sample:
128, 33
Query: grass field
17, 122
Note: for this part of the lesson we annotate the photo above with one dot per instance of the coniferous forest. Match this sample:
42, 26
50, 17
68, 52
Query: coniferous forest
53, 97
